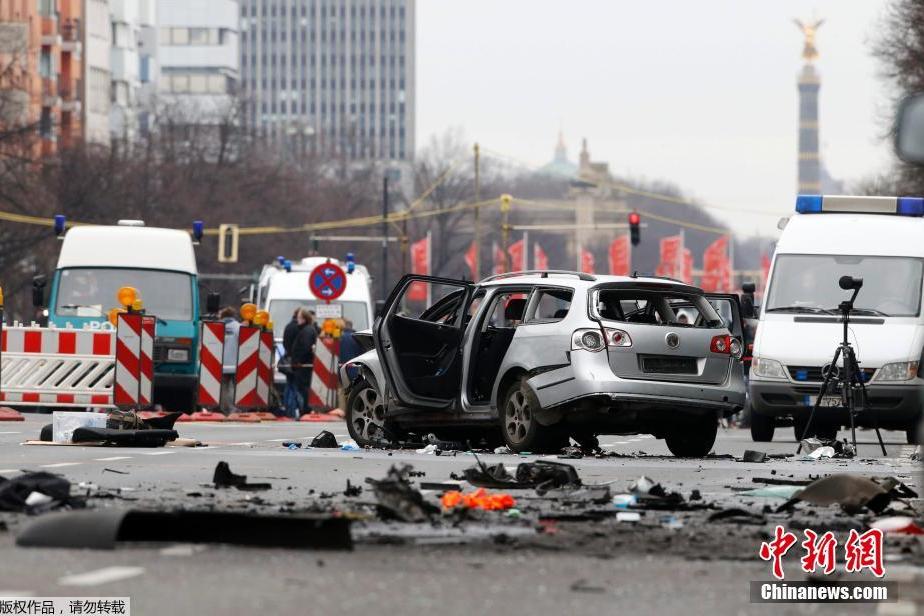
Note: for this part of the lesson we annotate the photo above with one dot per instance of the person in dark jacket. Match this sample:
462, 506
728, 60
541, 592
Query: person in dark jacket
303, 357
289, 395
349, 348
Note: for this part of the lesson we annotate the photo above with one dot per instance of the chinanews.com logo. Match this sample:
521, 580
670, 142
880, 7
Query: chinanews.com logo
861, 553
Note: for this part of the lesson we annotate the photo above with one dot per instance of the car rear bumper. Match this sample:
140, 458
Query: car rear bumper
893, 405
571, 384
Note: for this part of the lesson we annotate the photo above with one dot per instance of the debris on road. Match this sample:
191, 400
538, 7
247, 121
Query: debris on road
479, 499
902, 525
349, 445
851, 492
103, 529
224, 478
398, 499
772, 491
754, 456
36, 493
325, 439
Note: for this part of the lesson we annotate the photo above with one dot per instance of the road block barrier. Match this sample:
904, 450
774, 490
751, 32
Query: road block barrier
127, 390
57, 367
211, 354
10, 415
146, 369
254, 368
324, 382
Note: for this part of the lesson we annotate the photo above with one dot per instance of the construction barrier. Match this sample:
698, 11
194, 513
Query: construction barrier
57, 367
252, 380
10, 415
127, 391
146, 371
211, 354
324, 382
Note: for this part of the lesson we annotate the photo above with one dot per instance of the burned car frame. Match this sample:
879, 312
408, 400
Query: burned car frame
536, 357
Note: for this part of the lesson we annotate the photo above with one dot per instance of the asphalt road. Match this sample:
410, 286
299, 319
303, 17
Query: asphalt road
699, 575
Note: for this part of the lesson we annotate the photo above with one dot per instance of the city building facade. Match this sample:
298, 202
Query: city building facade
133, 61
332, 78
96, 79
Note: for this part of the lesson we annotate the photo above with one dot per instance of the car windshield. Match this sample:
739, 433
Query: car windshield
91, 292
281, 311
656, 308
809, 284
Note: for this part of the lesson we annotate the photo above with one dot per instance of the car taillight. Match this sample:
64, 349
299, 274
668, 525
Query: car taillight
587, 340
727, 345
617, 337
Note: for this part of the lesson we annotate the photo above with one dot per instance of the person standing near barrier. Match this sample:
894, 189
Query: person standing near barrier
290, 399
303, 358
229, 358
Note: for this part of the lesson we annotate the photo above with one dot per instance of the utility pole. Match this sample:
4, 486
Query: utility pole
477, 213
385, 237
505, 229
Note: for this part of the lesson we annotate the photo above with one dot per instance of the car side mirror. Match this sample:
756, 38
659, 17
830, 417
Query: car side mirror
38, 291
909, 130
213, 302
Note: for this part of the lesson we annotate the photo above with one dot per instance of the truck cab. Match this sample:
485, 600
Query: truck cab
95, 261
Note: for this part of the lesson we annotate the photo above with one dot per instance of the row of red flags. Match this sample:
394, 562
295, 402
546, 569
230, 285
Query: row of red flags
676, 261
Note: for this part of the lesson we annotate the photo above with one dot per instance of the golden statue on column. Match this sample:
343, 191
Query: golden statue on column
809, 51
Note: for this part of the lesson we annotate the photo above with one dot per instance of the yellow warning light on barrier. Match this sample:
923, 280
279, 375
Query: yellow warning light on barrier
126, 296
248, 311
1, 297
114, 316
261, 318
137, 305
269, 325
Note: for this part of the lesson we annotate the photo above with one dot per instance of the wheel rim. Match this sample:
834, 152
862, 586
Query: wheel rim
367, 415
517, 417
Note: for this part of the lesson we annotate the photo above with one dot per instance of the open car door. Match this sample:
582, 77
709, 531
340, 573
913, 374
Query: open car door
728, 305
419, 340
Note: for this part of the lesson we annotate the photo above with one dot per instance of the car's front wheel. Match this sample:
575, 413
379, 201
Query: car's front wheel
693, 441
762, 427
519, 427
365, 414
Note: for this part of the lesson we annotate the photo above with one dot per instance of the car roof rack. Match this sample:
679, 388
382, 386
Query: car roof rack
541, 273
638, 275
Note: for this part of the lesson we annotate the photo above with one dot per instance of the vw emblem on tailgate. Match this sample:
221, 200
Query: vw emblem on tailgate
672, 340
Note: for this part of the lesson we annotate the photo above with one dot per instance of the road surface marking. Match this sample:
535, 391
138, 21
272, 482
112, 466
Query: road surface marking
248, 444
8, 470
101, 576
157, 453
60, 464
10, 432
113, 458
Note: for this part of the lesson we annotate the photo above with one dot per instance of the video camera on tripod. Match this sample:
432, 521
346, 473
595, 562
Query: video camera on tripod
849, 381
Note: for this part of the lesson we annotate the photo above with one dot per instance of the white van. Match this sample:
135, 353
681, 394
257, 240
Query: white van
283, 287
878, 239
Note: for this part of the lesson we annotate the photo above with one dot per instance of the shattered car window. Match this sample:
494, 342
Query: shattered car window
552, 305
656, 308
428, 301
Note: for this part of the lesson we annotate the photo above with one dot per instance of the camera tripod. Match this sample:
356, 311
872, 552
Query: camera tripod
849, 379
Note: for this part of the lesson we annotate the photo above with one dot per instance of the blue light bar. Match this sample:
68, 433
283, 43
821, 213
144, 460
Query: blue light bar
280, 260
198, 229
808, 204
287, 265
911, 206
351, 262
59, 224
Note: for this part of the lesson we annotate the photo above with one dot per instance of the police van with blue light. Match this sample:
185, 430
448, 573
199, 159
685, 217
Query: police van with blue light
96, 260
879, 240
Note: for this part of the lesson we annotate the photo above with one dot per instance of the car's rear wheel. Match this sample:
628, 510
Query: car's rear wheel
762, 427
693, 441
519, 427
365, 415
911, 435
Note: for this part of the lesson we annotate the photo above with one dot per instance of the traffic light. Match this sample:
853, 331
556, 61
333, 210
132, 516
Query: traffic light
634, 220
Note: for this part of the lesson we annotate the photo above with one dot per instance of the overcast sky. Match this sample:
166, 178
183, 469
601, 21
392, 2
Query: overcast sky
701, 93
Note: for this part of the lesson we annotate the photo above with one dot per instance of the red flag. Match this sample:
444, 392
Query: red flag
516, 256
500, 263
540, 259
687, 266
717, 267
764, 271
420, 264
470, 260
670, 257
587, 261
619, 256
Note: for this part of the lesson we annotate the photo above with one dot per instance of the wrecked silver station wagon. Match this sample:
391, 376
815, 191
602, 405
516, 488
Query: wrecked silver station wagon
536, 357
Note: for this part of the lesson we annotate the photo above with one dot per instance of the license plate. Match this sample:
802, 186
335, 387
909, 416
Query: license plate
826, 401
669, 365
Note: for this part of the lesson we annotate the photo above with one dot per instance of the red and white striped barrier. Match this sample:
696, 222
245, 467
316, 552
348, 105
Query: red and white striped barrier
57, 367
324, 382
211, 352
265, 368
127, 390
146, 372
246, 377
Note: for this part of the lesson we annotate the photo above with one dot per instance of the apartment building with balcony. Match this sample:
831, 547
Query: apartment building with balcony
134, 68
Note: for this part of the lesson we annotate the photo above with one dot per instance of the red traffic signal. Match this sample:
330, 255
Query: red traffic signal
634, 221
